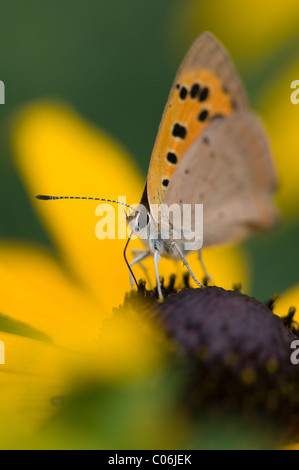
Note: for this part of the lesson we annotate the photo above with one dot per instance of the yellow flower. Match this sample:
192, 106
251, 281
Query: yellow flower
59, 153
56, 335
288, 299
56, 305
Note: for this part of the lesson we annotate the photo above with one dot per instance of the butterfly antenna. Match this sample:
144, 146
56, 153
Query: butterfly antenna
52, 198
127, 262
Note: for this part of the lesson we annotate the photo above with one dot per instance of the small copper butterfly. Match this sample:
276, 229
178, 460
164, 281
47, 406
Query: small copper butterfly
210, 150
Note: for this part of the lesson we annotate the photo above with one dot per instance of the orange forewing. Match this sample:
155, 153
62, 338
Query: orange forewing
205, 86
185, 113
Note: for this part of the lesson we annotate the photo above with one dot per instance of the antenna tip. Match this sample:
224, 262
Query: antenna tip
44, 198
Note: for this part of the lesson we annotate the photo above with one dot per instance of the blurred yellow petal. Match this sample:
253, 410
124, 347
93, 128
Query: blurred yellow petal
58, 153
292, 447
32, 377
248, 29
35, 290
38, 376
288, 299
131, 344
25, 403
281, 118
228, 265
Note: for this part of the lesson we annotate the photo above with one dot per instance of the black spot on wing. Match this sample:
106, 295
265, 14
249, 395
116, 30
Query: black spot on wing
179, 131
183, 93
204, 94
203, 115
172, 158
194, 90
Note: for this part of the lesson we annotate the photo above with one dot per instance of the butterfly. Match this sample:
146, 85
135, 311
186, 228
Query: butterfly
210, 150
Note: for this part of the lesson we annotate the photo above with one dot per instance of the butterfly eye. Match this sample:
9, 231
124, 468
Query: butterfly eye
143, 220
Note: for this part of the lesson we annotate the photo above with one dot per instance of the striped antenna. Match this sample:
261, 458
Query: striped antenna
51, 198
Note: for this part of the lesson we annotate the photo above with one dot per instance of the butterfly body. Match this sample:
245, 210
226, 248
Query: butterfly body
210, 150
151, 234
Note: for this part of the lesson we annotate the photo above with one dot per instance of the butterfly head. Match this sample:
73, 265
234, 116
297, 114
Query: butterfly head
140, 222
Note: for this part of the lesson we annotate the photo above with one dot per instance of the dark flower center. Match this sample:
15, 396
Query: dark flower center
234, 353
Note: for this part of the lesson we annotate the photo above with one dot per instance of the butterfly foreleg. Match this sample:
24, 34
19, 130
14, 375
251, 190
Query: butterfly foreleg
157, 258
185, 262
207, 275
142, 254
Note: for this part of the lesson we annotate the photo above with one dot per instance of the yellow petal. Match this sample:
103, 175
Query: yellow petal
291, 447
249, 30
36, 291
51, 304
129, 345
288, 299
32, 380
58, 153
281, 118
36, 381
38, 377
228, 266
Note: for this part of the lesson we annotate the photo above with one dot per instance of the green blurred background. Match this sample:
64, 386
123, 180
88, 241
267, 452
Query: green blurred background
114, 61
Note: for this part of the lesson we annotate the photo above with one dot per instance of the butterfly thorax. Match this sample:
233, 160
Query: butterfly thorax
155, 236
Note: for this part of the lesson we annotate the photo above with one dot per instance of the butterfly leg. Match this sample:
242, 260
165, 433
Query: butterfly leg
138, 259
175, 245
157, 258
136, 252
207, 275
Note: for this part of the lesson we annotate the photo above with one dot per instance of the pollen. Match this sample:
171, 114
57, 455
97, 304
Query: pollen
248, 376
